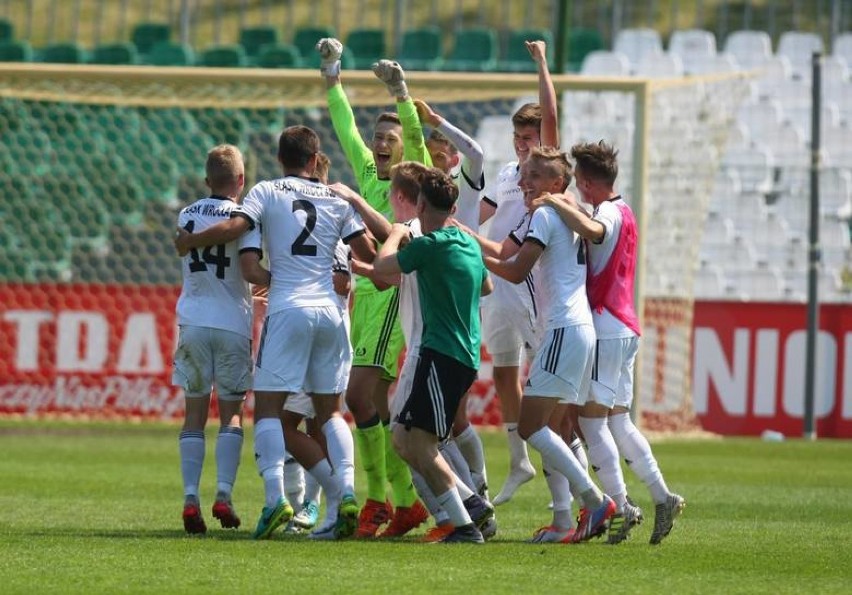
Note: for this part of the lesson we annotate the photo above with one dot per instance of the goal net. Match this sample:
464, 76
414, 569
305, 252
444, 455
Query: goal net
96, 161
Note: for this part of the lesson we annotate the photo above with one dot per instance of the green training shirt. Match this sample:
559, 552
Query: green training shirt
450, 273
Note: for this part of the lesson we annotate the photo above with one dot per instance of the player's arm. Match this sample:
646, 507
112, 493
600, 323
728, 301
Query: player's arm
251, 269
515, 271
381, 282
573, 216
413, 143
502, 250
375, 221
487, 286
487, 208
546, 95
342, 117
221, 233
386, 262
469, 148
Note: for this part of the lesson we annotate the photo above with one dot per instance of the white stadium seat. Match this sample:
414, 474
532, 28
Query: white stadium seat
605, 63
659, 66
842, 47
692, 46
636, 43
750, 48
798, 47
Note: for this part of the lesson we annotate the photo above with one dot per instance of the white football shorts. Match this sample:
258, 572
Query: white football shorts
562, 367
612, 373
206, 355
304, 349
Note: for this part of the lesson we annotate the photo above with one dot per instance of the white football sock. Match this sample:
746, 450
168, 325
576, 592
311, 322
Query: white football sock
341, 451
229, 446
269, 454
452, 503
294, 481
455, 459
603, 455
556, 455
312, 489
560, 492
518, 454
637, 453
426, 495
191, 445
470, 446
325, 476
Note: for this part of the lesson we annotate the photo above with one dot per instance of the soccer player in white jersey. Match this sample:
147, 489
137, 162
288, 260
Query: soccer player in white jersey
509, 313
611, 241
304, 345
561, 370
214, 313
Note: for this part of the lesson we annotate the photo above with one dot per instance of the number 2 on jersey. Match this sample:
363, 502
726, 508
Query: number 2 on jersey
299, 247
198, 264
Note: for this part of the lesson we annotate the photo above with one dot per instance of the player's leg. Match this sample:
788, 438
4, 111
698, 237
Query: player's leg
308, 515
636, 450
557, 373
193, 371
294, 473
233, 373
426, 417
470, 446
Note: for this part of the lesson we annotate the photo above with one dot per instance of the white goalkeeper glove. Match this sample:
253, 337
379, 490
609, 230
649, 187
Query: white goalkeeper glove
392, 75
329, 50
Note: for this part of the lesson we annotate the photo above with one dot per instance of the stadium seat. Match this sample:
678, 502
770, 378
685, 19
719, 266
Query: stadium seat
64, 53
147, 35
655, 66
279, 55
74, 199
579, 44
754, 165
842, 47
475, 50
366, 46
13, 116
7, 30
223, 125
636, 43
16, 51
305, 39
115, 53
421, 49
759, 284
605, 63
798, 47
710, 282
717, 63
254, 38
167, 53
223, 56
693, 46
516, 57
751, 49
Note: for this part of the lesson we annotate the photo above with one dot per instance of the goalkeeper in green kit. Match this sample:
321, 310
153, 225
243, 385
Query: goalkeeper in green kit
377, 338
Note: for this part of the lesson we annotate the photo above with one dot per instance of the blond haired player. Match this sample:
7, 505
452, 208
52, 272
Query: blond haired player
214, 312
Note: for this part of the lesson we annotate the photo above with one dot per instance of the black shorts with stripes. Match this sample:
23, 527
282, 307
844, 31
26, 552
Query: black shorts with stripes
439, 384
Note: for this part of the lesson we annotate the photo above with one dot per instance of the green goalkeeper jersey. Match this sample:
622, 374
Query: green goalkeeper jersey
375, 191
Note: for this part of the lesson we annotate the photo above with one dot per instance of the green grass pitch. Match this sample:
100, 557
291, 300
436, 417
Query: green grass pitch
95, 508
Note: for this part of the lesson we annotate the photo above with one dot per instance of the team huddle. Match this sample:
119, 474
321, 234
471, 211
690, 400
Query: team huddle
548, 287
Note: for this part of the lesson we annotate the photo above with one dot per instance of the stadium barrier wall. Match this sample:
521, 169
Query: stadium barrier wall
105, 352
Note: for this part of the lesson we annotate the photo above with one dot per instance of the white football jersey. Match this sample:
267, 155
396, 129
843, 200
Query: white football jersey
411, 318
562, 270
214, 294
511, 219
302, 221
607, 214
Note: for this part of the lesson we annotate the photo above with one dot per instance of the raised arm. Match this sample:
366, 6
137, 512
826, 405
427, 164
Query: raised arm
546, 95
413, 143
469, 148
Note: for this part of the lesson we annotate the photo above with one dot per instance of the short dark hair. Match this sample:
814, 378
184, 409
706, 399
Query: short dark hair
296, 146
597, 160
389, 117
528, 114
438, 189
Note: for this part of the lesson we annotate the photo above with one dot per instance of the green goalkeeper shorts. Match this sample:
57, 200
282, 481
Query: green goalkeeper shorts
377, 338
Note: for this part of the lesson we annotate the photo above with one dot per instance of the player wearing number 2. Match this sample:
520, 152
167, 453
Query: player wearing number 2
214, 313
304, 345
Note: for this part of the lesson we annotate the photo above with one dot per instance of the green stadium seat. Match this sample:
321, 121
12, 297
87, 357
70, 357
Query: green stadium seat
64, 53
167, 53
16, 51
30, 150
305, 39
279, 55
179, 136
223, 125
7, 30
254, 38
475, 50
74, 200
223, 56
146, 35
421, 49
517, 57
581, 42
115, 53
367, 46
13, 116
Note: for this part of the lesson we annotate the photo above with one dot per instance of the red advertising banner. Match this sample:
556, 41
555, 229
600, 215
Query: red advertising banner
106, 351
748, 371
